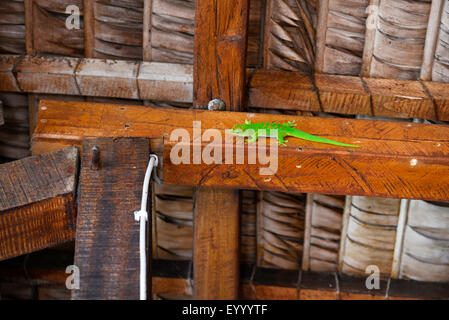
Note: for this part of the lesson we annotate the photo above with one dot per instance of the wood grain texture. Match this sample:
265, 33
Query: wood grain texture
107, 236
12, 27
396, 47
216, 244
220, 46
348, 95
386, 147
97, 77
342, 38
268, 89
370, 235
220, 53
280, 230
37, 202
290, 35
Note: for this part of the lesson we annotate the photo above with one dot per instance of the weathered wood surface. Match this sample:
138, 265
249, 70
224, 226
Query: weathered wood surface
216, 244
267, 89
412, 156
96, 77
107, 236
37, 202
175, 278
440, 69
220, 53
348, 95
219, 72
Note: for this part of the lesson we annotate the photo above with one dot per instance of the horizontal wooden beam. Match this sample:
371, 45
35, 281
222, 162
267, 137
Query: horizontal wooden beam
267, 88
399, 160
349, 95
175, 277
37, 202
96, 77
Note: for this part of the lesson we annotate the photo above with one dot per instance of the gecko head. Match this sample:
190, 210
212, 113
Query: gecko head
239, 129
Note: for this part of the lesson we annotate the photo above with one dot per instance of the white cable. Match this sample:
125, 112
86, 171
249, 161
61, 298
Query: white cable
142, 216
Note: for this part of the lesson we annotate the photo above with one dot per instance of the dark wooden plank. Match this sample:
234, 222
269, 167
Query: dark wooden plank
107, 236
37, 202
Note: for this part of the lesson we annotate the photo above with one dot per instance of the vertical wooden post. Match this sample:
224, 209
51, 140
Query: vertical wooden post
146, 35
219, 73
89, 28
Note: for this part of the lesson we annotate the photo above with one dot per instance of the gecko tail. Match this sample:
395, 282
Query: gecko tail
306, 136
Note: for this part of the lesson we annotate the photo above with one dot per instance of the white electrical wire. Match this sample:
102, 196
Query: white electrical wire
142, 216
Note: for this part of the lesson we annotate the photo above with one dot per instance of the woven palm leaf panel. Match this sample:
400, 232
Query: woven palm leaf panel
47, 28
369, 235
12, 26
423, 254
118, 29
172, 27
14, 138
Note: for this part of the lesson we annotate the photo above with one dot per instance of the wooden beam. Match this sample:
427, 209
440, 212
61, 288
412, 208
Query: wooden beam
267, 88
107, 236
219, 72
96, 77
174, 277
220, 52
397, 159
2, 118
89, 28
37, 202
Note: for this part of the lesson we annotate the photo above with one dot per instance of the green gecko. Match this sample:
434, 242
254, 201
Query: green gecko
249, 129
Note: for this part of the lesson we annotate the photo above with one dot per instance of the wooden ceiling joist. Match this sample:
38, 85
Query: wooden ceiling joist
37, 202
267, 88
396, 159
175, 278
